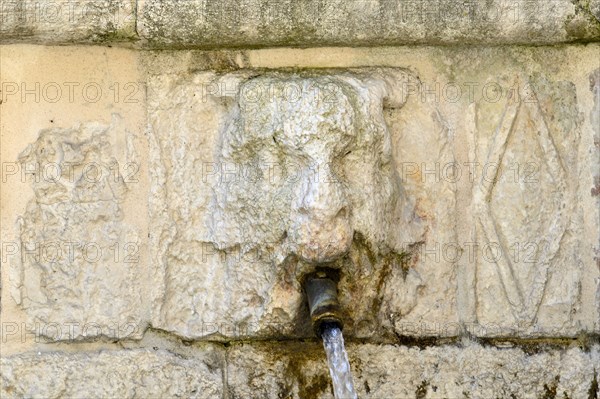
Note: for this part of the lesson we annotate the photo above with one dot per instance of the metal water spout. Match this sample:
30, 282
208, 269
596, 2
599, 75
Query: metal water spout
321, 292
326, 318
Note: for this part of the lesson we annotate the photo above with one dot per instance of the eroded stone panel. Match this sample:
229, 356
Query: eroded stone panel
74, 195
112, 374
78, 273
259, 177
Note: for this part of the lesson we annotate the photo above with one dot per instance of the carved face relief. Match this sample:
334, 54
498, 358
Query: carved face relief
313, 166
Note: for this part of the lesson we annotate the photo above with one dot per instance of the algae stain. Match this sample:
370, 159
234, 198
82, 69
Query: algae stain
550, 390
594, 390
421, 391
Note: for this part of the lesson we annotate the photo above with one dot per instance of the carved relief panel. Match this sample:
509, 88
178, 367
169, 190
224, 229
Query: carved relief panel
526, 214
264, 176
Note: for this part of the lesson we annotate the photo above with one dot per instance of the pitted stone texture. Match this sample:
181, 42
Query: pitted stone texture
384, 371
78, 273
207, 24
259, 177
67, 21
112, 374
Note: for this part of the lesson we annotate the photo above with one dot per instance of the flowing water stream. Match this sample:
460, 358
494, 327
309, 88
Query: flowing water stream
337, 358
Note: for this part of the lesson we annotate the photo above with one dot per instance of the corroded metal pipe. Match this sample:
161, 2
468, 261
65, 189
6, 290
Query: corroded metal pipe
323, 304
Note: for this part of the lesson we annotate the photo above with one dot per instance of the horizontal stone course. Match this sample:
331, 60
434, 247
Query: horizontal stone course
299, 370
384, 371
67, 21
137, 373
266, 23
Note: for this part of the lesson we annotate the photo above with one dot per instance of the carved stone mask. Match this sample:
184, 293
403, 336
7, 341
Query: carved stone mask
319, 167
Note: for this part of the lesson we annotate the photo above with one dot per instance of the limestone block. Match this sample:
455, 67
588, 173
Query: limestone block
73, 195
260, 177
530, 218
385, 371
264, 23
530, 215
112, 374
441, 140
66, 21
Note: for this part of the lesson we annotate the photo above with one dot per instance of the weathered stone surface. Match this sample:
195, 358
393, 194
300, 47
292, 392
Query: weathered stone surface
264, 23
136, 373
67, 21
71, 237
443, 137
527, 218
535, 134
73, 194
594, 161
455, 190
260, 177
228, 251
383, 371
206, 24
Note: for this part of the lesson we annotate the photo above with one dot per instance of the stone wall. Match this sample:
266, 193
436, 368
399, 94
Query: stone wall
166, 190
